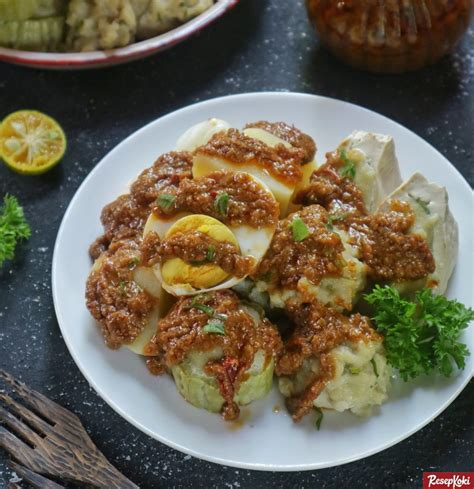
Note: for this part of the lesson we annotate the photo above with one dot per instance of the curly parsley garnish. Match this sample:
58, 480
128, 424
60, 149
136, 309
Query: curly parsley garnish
349, 169
13, 227
221, 203
299, 229
423, 335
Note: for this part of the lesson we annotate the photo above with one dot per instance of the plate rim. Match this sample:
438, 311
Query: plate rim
177, 446
136, 50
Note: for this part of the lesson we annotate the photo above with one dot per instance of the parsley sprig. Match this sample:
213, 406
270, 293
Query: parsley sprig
423, 335
13, 227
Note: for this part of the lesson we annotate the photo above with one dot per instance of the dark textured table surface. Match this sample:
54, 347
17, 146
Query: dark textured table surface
261, 45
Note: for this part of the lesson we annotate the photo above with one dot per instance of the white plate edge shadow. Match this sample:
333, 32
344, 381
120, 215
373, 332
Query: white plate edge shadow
204, 456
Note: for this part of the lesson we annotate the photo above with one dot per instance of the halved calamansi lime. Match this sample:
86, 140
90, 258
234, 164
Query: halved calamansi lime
31, 142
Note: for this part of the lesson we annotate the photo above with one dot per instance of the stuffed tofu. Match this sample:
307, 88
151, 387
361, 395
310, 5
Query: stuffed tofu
432, 221
219, 350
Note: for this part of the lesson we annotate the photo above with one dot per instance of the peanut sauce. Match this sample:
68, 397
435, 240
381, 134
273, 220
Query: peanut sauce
281, 162
383, 239
249, 203
181, 332
318, 329
194, 248
291, 135
125, 217
118, 304
316, 257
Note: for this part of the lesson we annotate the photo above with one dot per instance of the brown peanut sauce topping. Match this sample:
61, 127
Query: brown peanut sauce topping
315, 257
197, 249
118, 304
332, 191
291, 135
125, 217
318, 330
246, 201
383, 239
281, 162
182, 331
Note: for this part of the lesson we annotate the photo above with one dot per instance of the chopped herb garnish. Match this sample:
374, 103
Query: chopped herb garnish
211, 253
299, 229
215, 326
202, 307
374, 366
319, 418
122, 286
166, 201
221, 203
332, 218
348, 170
354, 370
134, 262
422, 203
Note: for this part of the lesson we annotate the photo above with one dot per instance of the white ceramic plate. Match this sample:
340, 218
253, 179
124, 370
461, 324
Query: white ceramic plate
265, 440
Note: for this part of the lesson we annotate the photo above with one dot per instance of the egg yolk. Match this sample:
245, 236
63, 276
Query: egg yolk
176, 271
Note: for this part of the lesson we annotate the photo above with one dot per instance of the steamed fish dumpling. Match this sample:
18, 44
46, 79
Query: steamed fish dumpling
435, 223
200, 134
311, 258
332, 362
211, 234
220, 351
278, 167
125, 298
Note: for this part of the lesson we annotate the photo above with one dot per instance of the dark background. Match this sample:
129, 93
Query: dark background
261, 45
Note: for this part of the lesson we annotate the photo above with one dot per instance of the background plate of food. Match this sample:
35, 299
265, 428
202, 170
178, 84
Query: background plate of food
79, 34
225, 199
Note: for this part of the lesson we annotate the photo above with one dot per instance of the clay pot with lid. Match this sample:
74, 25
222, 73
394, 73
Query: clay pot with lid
390, 36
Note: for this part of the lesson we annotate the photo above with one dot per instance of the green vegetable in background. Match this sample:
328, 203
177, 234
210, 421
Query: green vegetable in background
13, 227
423, 335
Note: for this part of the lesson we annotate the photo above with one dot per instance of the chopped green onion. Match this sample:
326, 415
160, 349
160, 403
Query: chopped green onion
221, 203
348, 170
422, 203
374, 366
134, 262
334, 218
354, 370
202, 307
299, 229
222, 317
122, 286
166, 201
215, 326
319, 419
211, 253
